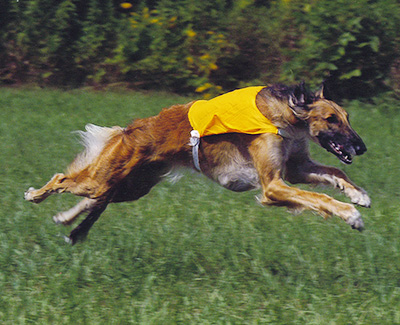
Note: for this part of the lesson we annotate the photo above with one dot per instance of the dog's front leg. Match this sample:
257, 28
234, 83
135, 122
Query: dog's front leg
313, 173
277, 193
267, 154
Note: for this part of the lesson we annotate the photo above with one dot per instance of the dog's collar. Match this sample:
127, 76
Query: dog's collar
284, 134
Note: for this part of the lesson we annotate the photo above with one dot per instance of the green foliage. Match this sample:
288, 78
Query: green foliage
57, 42
97, 40
176, 45
350, 44
190, 252
186, 46
203, 46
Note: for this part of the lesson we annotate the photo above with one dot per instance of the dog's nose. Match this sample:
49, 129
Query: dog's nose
360, 148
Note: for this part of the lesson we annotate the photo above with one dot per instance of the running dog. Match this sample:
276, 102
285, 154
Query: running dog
123, 164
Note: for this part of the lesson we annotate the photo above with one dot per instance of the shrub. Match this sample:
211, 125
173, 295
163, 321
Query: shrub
257, 57
207, 46
350, 44
58, 42
98, 38
173, 46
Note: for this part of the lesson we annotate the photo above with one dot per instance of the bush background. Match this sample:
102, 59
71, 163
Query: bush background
208, 47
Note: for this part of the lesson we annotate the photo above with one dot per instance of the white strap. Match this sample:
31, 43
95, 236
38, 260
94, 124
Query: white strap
194, 143
284, 134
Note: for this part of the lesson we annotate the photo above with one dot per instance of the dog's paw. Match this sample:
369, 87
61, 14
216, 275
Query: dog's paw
62, 218
68, 240
359, 197
356, 222
29, 196
58, 219
35, 196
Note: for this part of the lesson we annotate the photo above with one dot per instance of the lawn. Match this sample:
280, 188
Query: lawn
189, 252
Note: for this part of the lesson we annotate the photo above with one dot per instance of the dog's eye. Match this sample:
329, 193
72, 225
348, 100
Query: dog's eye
332, 119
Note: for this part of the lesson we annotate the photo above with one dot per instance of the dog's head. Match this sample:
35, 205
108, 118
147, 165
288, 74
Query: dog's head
328, 123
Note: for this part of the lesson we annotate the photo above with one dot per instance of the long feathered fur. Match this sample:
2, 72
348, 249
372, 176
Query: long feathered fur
93, 140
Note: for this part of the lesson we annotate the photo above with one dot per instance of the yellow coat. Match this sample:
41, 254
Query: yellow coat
233, 112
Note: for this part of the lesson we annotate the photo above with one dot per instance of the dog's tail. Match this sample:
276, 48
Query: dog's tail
94, 140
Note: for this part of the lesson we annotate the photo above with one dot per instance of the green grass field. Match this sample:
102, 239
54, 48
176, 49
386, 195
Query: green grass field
189, 252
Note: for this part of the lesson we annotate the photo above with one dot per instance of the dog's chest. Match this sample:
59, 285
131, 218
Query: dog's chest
240, 174
238, 177
237, 173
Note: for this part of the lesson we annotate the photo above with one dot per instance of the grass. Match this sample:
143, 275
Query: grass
189, 252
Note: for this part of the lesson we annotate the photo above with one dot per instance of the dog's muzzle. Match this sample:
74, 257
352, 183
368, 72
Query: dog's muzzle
342, 147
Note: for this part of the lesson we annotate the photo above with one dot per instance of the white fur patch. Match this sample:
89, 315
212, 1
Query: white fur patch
175, 174
238, 176
357, 195
355, 221
94, 140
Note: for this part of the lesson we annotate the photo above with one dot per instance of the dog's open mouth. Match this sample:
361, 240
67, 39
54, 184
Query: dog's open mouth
339, 151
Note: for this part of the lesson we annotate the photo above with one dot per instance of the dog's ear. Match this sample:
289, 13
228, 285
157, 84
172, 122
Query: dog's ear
299, 99
323, 92
320, 92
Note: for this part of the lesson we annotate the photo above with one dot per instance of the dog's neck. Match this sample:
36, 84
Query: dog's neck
285, 134
275, 110
279, 113
292, 131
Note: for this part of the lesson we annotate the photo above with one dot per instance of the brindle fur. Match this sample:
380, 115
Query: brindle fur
131, 160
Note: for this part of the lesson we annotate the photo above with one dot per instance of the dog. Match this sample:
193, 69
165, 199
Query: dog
123, 164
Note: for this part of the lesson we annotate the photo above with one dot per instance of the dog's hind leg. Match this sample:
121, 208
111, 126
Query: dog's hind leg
78, 184
55, 185
81, 231
83, 177
69, 216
